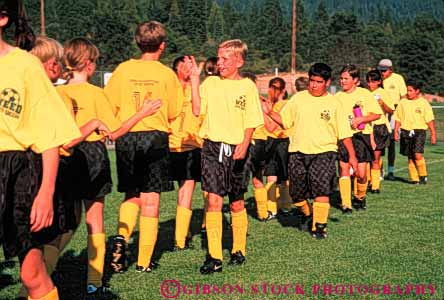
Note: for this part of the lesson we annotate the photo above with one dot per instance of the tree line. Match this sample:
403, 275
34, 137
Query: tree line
415, 43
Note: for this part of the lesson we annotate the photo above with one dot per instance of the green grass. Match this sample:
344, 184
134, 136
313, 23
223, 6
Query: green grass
398, 241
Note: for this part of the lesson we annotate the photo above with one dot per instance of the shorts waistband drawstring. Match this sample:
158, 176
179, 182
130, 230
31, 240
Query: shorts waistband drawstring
225, 149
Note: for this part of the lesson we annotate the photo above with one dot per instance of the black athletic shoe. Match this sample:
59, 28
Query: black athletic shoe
237, 258
347, 210
270, 216
304, 222
119, 262
188, 244
93, 292
152, 266
390, 177
422, 179
320, 233
211, 265
377, 191
414, 182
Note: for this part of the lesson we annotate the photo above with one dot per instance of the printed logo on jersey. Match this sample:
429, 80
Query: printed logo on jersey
10, 103
418, 110
241, 102
325, 115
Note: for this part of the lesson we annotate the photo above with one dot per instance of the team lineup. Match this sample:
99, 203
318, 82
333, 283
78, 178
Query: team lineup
194, 122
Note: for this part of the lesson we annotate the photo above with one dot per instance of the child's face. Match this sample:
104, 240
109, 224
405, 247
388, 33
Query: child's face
412, 93
347, 82
228, 63
373, 84
317, 86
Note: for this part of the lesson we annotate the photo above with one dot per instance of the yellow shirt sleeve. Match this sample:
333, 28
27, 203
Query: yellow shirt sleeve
113, 90
342, 122
288, 113
428, 112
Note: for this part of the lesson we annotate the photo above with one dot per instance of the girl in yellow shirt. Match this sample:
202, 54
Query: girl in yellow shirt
91, 163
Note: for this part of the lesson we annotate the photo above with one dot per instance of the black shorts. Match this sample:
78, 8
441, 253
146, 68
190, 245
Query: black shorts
277, 164
412, 143
229, 177
311, 175
91, 171
142, 162
185, 165
19, 184
258, 158
382, 137
362, 146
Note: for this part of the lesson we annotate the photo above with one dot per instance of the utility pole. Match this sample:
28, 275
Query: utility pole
293, 39
42, 17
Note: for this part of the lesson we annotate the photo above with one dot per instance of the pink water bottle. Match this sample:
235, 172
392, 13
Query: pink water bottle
358, 113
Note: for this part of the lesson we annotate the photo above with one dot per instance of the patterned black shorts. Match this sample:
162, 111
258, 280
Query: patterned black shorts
142, 162
362, 146
258, 158
382, 137
229, 177
19, 183
185, 165
311, 175
90, 166
277, 164
412, 144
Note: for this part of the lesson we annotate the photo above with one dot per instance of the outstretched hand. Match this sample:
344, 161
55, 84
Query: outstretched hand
150, 107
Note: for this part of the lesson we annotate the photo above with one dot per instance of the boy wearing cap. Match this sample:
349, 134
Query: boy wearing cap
394, 84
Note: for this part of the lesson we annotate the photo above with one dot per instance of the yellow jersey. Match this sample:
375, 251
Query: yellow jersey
135, 81
381, 94
32, 115
395, 86
279, 132
318, 123
184, 129
229, 107
89, 102
414, 114
362, 98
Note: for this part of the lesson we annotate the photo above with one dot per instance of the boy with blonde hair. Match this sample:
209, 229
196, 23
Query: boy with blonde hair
50, 53
231, 108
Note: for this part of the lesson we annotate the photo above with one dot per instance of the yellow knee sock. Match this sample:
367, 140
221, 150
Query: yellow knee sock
260, 195
128, 214
96, 258
413, 173
239, 223
376, 179
214, 234
272, 201
52, 295
421, 166
320, 213
50, 256
183, 218
345, 191
303, 207
148, 229
362, 190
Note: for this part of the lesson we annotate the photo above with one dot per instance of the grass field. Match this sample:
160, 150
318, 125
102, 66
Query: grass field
394, 250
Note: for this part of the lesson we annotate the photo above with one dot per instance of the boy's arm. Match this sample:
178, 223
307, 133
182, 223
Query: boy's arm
364, 119
195, 85
42, 211
431, 125
85, 131
241, 150
396, 131
274, 116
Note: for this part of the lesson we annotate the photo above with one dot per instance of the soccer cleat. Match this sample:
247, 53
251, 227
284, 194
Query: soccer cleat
304, 222
422, 179
271, 216
237, 258
320, 233
141, 269
390, 176
211, 265
119, 262
188, 244
360, 204
347, 210
414, 182
377, 191
93, 292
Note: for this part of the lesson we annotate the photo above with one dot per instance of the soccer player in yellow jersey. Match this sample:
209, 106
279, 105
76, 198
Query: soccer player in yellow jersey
231, 108
142, 153
318, 122
185, 154
394, 84
381, 127
414, 116
90, 163
354, 99
33, 124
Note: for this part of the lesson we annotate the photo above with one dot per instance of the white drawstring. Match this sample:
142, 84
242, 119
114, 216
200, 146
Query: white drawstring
224, 149
411, 133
